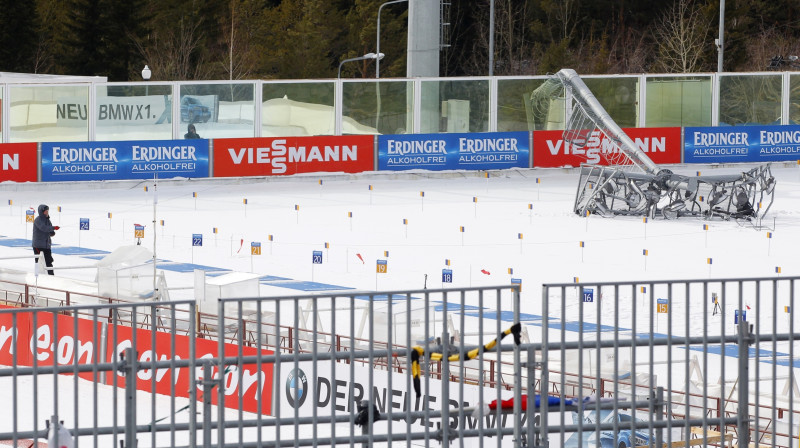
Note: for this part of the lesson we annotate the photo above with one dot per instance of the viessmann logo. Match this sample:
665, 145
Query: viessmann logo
296, 388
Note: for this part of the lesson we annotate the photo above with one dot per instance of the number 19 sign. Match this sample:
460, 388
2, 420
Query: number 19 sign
381, 267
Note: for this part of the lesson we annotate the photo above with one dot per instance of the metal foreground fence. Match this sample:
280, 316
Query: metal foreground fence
673, 363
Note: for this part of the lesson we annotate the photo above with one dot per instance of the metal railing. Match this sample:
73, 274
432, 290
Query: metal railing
619, 364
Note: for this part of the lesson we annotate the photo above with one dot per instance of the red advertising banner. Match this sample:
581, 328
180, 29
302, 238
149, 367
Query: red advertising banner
56, 341
164, 377
283, 156
662, 145
61, 340
18, 162
8, 327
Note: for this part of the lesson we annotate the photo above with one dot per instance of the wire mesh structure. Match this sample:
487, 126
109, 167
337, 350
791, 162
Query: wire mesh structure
627, 182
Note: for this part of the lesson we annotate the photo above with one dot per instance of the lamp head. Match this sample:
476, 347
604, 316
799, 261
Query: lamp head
146, 73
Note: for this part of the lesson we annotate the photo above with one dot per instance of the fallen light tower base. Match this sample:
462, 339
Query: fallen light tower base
629, 183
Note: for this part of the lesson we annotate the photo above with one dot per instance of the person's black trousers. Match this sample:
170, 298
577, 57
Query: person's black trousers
48, 258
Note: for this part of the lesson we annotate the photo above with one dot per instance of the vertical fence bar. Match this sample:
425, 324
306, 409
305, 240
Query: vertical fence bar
129, 367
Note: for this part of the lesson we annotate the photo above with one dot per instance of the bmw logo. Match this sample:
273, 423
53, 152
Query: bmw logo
296, 388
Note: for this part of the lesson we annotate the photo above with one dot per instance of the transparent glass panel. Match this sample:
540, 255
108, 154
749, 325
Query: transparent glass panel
619, 96
678, 101
217, 110
48, 113
292, 109
516, 111
794, 99
133, 112
455, 106
746, 100
384, 107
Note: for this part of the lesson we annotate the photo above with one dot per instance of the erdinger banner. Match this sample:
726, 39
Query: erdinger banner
741, 144
235, 157
485, 151
124, 160
18, 162
662, 145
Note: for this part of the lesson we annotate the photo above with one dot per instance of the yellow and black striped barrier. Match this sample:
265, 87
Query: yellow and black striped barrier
417, 352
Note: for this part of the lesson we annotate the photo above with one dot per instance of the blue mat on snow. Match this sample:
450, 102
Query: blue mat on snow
15, 242
187, 267
306, 286
72, 250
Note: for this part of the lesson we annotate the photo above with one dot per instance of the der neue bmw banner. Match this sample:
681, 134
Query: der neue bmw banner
124, 160
436, 152
741, 144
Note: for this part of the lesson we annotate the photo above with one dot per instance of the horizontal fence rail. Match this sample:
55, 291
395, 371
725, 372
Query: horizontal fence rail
669, 363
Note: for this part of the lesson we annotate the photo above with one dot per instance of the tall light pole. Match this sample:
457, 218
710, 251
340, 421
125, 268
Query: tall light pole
491, 38
721, 40
378, 43
377, 57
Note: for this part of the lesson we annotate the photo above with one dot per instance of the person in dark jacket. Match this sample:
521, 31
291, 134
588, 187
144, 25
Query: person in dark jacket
192, 134
43, 229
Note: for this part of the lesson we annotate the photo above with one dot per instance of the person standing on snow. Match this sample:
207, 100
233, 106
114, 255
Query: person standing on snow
43, 229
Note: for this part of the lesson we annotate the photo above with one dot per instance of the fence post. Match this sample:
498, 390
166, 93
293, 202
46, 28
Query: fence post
518, 379
532, 438
208, 385
743, 413
130, 370
659, 413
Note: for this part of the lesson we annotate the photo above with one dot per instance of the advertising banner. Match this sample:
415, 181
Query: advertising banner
7, 334
662, 146
235, 157
741, 144
114, 110
164, 378
436, 152
18, 162
64, 341
124, 160
57, 340
306, 388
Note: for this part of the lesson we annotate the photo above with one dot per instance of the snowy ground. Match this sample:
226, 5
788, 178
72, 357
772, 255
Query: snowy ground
417, 218
302, 213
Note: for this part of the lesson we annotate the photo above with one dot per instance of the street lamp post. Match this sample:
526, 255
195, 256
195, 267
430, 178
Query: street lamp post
378, 43
377, 57
146, 76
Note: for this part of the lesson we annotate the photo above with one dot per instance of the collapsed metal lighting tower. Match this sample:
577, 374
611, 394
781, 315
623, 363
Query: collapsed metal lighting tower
628, 183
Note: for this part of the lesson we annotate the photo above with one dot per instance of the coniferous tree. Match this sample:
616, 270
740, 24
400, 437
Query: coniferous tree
17, 36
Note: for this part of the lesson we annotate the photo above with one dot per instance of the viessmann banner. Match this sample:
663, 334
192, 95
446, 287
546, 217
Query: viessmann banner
292, 155
662, 145
741, 144
124, 160
18, 162
436, 152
